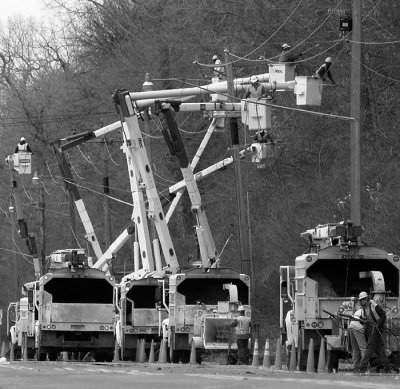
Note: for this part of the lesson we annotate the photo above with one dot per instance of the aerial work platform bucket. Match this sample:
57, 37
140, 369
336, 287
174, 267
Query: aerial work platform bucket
281, 72
218, 96
308, 91
22, 162
256, 114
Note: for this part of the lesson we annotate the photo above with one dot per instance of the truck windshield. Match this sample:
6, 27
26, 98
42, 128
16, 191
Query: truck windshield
80, 290
210, 291
341, 278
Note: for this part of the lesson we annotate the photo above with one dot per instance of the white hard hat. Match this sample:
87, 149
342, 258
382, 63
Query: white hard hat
22, 138
363, 295
329, 59
253, 79
285, 46
241, 308
215, 57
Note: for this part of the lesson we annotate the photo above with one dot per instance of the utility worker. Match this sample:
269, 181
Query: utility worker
262, 136
165, 329
287, 54
219, 71
23, 147
255, 89
324, 70
357, 339
242, 326
375, 318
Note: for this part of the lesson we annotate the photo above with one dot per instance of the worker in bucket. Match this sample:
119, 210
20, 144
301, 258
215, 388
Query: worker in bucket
287, 54
255, 89
375, 318
325, 71
23, 146
242, 325
219, 71
357, 339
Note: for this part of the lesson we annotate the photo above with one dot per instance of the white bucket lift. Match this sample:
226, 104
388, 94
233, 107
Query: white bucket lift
256, 114
281, 72
22, 162
308, 91
220, 115
218, 96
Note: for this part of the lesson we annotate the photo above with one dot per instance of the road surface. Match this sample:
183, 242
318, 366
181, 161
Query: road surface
74, 375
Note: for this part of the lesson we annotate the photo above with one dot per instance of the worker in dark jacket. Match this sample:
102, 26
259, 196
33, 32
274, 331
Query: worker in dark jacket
242, 326
287, 54
255, 89
325, 70
23, 147
375, 318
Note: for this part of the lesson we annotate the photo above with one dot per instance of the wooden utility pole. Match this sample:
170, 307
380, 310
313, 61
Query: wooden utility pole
14, 248
233, 125
42, 224
355, 138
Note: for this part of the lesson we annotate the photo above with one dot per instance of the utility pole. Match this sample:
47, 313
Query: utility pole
42, 221
355, 138
233, 124
15, 263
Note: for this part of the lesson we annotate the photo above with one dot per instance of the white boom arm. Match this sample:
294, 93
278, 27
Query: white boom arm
141, 178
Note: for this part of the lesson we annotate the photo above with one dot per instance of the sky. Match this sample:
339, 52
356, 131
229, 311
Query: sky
26, 8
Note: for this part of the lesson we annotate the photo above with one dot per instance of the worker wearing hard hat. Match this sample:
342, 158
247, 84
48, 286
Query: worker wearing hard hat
325, 70
375, 318
219, 71
255, 89
242, 325
357, 339
287, 54
23, 146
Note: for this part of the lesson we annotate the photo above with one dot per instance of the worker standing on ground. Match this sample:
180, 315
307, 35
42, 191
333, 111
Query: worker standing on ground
23, 146
287, 54
357, 339
375, 319
242, 326
325, 70
255, 89
219, 71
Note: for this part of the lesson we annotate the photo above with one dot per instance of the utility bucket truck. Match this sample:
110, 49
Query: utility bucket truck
75, 308
202, 300
320, 291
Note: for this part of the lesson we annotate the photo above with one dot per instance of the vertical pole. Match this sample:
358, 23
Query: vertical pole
238, 174
42, 209
15, 263
355, 143
250, 245
106, 191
